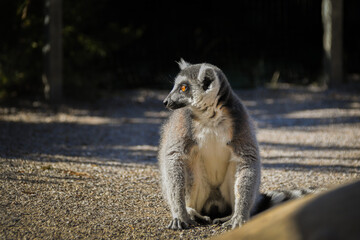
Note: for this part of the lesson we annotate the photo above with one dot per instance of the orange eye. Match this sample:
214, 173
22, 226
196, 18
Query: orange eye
183, 88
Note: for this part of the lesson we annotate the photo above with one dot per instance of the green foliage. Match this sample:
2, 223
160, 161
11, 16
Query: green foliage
20, 47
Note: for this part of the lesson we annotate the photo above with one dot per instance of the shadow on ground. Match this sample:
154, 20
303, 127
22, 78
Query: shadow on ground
126, 129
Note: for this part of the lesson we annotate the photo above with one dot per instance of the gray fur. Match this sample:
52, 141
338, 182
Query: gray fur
208, 154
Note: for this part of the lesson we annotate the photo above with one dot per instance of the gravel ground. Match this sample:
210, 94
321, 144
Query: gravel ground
90, 171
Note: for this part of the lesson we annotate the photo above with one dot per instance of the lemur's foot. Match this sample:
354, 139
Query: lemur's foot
194, 214
221, 220
234, 222
177, 224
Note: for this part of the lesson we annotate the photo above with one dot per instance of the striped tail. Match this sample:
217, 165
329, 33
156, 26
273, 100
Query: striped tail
273, 198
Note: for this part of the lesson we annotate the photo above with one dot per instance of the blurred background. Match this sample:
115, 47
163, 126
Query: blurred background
109, 45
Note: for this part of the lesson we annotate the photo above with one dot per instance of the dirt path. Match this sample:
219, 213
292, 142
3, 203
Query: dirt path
90, 170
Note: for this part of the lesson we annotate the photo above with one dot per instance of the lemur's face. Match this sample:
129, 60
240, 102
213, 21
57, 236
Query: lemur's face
196, 86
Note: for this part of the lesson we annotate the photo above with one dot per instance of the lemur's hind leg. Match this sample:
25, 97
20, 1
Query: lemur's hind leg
199, 191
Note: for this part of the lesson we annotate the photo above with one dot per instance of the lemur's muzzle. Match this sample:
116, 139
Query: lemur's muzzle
170, 104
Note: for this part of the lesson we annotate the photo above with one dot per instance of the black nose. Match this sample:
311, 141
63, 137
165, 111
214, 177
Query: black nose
165, 102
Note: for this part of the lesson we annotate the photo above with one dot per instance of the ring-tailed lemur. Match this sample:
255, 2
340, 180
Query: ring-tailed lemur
208, 155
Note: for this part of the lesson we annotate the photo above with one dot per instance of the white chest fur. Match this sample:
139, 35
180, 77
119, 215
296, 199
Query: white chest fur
213, 152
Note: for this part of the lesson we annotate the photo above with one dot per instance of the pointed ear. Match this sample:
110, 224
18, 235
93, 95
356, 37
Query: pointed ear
206, 76
182, 64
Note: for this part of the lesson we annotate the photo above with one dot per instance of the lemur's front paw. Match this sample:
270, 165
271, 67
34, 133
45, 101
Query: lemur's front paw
233, 223
177, 224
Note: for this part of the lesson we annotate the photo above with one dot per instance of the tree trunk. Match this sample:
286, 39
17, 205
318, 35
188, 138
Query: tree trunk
332, 17
52, 51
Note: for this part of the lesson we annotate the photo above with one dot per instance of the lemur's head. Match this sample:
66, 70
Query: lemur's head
196, 86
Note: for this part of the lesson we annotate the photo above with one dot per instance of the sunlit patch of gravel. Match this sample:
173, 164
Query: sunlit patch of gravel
90, 170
